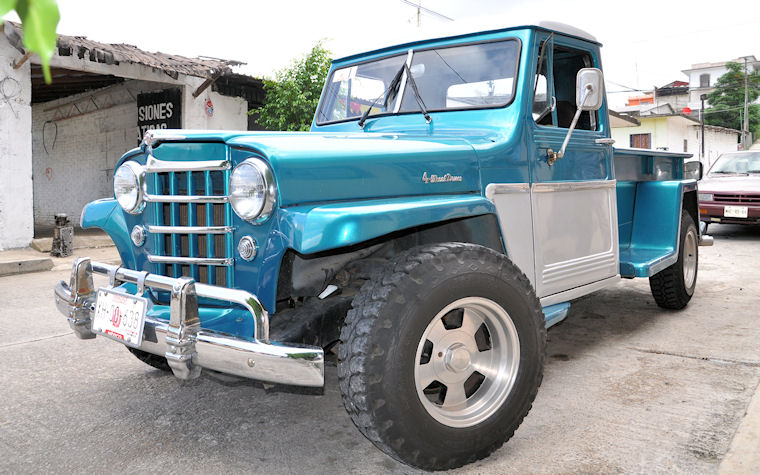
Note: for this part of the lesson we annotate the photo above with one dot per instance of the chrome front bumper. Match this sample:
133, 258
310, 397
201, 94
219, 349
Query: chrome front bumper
187, 347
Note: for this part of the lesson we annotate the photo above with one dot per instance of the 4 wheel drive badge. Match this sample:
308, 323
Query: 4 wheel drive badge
447, 178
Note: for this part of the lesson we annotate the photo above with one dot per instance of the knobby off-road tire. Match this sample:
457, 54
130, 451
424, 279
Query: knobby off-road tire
673, 286
461, 316
158, 362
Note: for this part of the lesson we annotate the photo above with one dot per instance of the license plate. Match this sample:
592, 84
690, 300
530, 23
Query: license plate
120, 316
735, 211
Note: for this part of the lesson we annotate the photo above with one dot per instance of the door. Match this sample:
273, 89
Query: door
573, 200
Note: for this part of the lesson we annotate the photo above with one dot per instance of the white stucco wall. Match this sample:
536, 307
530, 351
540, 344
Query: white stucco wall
717, 142
230, 113
16, 223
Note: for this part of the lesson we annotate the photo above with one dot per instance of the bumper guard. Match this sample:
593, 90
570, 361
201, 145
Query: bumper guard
187, 347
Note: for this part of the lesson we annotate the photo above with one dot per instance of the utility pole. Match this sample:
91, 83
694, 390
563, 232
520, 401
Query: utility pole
745, 126
702, 98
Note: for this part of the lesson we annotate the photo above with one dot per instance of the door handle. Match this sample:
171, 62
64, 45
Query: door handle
605, 141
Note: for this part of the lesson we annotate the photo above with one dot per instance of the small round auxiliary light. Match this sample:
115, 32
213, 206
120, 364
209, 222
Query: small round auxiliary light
138, 235
247, 248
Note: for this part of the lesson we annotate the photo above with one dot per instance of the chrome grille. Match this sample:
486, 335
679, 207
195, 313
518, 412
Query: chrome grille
191, 228
736, 198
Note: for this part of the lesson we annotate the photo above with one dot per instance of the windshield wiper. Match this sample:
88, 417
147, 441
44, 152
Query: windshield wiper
416, 93
391, 87
390, 94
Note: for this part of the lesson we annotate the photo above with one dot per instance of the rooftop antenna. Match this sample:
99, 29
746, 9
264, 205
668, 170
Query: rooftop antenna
421, 9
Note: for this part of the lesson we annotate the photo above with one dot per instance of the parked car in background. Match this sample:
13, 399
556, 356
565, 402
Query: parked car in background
730, 192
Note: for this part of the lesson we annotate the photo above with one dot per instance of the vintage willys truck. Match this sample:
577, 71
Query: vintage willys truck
453, 196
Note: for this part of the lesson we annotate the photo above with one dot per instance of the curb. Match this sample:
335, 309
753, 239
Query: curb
743, 455
25, 266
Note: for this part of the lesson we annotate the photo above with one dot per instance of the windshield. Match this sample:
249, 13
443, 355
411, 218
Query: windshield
459, 77
736, 163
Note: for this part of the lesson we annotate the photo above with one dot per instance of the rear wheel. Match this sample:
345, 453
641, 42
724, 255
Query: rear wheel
442, 354
673, 287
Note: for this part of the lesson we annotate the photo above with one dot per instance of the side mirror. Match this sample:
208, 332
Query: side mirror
589, 96
589, 89
692, 170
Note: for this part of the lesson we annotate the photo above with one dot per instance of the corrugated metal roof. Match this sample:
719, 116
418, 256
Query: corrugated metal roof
106, 53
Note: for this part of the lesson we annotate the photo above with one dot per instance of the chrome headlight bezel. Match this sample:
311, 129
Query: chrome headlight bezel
260, 213
137, 173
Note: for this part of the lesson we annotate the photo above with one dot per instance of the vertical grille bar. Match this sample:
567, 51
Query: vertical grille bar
173, 218
209, 222
158, 240
228, 219
192, 242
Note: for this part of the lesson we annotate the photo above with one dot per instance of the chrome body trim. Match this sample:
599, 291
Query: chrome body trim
187, 346
549, 187
189, 229
154, 165
571, 294
184, 199
198, 261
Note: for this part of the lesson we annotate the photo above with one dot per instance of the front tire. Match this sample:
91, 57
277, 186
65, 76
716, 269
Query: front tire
673, 286
442, 355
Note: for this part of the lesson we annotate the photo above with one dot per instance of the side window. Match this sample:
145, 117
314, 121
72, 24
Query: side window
558, 71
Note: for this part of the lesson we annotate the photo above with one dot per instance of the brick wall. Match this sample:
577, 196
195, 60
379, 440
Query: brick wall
78, 165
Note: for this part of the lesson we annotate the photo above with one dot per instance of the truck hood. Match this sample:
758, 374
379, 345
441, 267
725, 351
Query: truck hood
317, 167
730, 184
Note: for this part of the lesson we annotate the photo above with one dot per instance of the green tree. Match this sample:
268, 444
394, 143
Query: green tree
727, 100
292, 97
39, 19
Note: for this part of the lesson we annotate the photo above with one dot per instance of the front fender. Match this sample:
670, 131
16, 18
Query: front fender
107, 215
317, 228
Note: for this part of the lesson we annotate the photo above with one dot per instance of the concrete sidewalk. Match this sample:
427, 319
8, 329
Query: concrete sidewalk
22, 261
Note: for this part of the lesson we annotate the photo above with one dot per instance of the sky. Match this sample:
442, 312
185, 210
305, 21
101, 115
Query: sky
646, 43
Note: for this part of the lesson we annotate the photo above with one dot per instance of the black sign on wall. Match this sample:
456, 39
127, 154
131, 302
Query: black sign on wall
159, 110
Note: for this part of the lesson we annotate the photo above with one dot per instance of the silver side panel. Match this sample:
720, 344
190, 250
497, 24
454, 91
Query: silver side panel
512, 201
575, 234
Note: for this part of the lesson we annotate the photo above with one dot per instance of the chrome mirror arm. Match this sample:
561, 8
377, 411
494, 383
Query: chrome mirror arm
552, 156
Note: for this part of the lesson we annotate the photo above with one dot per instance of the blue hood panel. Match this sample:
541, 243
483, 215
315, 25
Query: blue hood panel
318, 167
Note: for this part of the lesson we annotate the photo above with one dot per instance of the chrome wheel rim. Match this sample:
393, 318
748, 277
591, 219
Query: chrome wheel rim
690, 258
467, 362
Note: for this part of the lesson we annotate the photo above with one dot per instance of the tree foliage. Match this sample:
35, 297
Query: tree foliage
292, 97
39, 19
727, 100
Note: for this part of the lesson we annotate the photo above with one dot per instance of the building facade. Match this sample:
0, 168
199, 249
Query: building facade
59, 143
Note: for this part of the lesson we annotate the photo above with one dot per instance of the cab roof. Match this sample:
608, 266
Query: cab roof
465, 29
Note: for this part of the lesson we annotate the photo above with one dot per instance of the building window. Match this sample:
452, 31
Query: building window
704, 80
641, 140
685, 146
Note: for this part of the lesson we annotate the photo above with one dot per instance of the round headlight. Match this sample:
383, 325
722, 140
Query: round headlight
127, 187
252, 190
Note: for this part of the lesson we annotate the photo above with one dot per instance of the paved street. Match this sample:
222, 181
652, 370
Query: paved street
628, 387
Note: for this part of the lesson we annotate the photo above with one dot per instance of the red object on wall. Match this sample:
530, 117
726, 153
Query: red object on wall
686, 111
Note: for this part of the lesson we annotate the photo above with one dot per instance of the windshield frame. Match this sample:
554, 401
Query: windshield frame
516, 77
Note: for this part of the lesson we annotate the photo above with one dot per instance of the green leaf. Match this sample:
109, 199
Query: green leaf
39, 19
5, 7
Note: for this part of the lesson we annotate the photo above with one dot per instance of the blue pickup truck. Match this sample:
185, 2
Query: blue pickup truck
452, 198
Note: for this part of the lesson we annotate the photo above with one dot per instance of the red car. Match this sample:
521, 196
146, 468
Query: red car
730, 192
